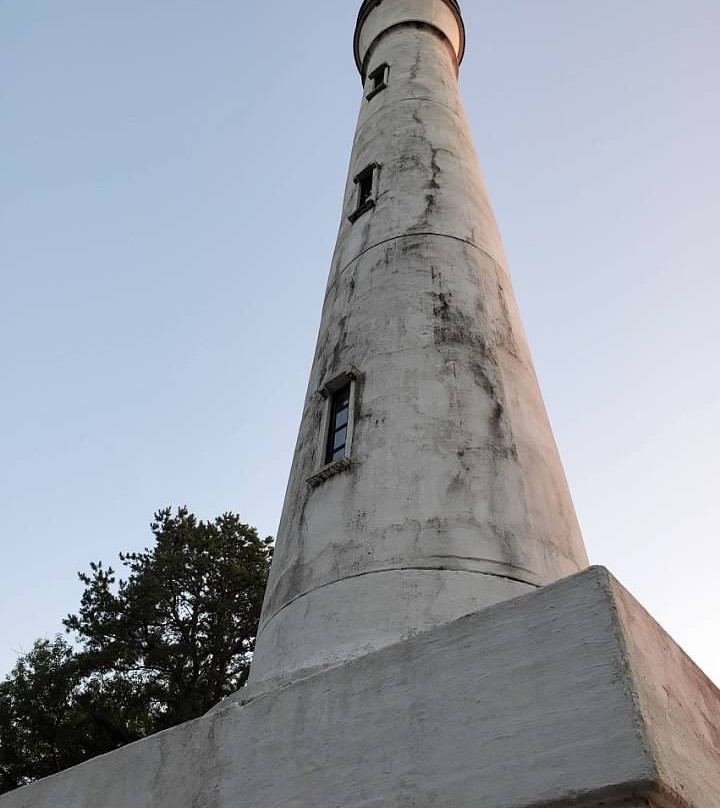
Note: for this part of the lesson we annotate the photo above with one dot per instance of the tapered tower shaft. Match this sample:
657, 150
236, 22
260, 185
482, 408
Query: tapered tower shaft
426, 483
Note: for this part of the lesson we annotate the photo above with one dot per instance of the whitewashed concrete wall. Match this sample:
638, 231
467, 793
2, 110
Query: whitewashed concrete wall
456, 497
569, 697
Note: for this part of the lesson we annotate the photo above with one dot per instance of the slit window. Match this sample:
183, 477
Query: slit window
365, 187
366, 190
378, 80
338, 425
336, 435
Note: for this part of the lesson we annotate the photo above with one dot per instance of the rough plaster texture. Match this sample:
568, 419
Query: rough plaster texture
568, 696
679, 705
437, 14
455, 497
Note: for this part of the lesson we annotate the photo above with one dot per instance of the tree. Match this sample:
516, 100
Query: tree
36, 710
182, 625
52, 715
160, 646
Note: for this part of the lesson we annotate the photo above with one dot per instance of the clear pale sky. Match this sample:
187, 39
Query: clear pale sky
171, 175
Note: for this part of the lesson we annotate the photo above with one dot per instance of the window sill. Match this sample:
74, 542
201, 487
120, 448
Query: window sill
355, 215
328, 471
375, 91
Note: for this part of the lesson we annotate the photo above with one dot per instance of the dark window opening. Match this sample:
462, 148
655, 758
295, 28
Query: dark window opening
365, 187
338, 425
365, 182
378, 80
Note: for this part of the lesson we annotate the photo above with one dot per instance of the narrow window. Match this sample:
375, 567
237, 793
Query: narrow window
366, 185
335, 438
378, 80
338, 425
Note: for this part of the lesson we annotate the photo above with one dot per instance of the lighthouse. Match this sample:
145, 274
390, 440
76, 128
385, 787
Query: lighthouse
426, 483
431, 635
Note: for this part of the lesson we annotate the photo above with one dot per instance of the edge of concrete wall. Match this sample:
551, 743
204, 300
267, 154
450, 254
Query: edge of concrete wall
537, 702
679, 705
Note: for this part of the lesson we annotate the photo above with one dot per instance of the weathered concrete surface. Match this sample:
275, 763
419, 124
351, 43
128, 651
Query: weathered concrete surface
679, 705
455, 497
568, 696
442, 15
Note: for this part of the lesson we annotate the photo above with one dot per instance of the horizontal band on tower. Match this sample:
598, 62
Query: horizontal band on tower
506, 572
369, 6
421, 25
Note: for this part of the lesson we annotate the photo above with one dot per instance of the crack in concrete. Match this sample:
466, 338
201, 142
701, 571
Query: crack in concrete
385, 108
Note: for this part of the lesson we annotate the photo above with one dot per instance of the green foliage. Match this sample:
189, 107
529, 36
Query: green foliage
53, 715
38, 715
155, 648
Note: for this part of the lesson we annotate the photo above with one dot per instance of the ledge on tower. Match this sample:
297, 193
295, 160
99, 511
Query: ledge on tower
569, 696
420, 10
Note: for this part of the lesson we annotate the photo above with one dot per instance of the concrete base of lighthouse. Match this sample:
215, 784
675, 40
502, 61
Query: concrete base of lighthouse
568, 696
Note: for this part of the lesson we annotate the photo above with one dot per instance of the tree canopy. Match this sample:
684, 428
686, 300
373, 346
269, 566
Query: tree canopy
155, 647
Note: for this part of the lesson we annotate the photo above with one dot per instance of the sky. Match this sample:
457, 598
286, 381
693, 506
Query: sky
171, 175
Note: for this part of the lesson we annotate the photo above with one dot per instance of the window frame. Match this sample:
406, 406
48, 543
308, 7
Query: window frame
380, 78
365, 203
325, 468
340, 397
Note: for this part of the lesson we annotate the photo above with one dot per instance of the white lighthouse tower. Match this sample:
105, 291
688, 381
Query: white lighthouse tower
431, 636
426, 483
